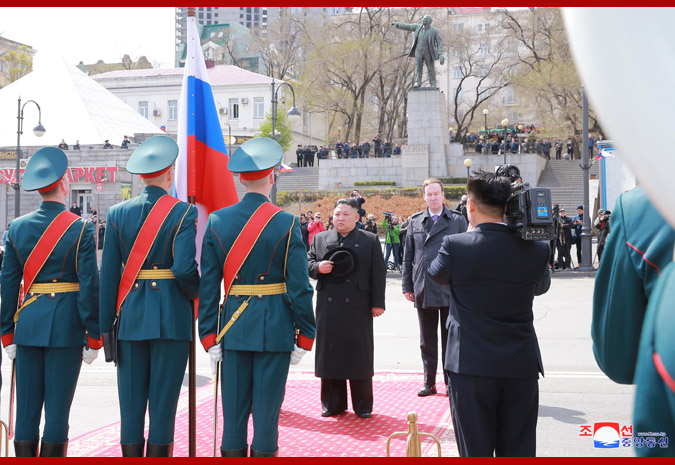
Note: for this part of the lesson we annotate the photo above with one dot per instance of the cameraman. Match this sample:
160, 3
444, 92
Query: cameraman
493, 356
601, 223
577, 225
390, 225
371, 225
564, 240
461, 206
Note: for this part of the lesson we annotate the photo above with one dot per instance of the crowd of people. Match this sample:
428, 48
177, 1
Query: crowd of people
498, 144
363, 150
63, 145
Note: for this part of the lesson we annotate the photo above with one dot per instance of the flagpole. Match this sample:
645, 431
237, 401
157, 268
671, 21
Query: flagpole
192, 400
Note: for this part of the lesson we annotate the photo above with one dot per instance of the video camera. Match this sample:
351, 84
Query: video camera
388, 216
529, 211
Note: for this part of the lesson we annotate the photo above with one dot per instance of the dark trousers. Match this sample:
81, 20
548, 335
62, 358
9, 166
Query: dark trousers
577, 243
494, 416
551, 248
149, 376
253, 383
45, 375
334, 395
429, 318
388, 249
564, 259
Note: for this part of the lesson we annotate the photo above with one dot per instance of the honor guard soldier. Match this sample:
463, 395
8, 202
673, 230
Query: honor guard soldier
55, 326
149, 275
257, 250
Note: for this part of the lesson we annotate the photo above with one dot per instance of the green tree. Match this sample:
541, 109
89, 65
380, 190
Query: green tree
281, 128
18, 63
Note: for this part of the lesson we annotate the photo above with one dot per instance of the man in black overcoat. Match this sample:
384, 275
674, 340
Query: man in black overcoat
493, 357
351, 274
426, 230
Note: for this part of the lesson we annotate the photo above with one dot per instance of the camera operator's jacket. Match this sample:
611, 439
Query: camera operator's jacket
393, 233
422, 242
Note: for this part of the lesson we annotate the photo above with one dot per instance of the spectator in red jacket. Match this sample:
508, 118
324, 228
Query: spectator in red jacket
315, 226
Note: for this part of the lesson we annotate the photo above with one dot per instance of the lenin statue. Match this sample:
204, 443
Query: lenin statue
426, 48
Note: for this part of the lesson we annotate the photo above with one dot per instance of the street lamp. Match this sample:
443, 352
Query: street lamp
292, 112
229, 139
468, 164
505, 124
39, 131
485, 113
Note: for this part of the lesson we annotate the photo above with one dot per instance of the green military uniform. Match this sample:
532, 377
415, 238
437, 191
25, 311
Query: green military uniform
655, 373
57, 319
258, 346
637, 250
155, 319
633, 317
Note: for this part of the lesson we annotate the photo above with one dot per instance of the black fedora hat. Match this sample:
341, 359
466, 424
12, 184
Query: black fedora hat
345, 262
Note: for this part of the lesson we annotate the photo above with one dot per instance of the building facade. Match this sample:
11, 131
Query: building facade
243, 99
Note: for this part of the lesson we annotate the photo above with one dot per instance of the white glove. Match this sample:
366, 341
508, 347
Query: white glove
89, 355
216, 353
297, 355
11, 351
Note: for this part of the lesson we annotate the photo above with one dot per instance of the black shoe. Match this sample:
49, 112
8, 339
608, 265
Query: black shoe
328, 413
53, 449
427, 391
133, 450
234, 452
26, 448
257, 453
159, 450
364, 415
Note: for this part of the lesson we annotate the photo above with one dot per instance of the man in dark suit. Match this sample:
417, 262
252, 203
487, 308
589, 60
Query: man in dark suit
426, 230
493, 358
349, 267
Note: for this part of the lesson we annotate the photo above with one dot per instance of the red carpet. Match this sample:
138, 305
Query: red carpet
302, 430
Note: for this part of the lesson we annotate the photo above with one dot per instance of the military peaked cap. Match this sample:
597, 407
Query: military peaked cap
45, 169
153, 157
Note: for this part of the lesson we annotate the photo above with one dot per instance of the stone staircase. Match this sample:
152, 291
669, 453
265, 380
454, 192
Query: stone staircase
306, 179
565, 179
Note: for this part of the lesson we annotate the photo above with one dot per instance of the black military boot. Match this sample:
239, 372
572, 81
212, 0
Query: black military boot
159, 450
133, 450
26, 448
53, 449
234, 452
257, 453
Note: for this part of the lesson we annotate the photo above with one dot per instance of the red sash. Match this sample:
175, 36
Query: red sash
245, 241
44, 248
142, 245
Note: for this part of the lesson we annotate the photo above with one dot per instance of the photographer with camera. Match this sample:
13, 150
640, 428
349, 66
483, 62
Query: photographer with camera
564, 240
390, 225
461, 206
577, 224
493, 356
601, 223
371, 225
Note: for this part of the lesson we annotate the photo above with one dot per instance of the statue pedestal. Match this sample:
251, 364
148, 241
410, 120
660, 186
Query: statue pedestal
428, 146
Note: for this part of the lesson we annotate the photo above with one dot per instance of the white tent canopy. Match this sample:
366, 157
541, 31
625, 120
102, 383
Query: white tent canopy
74, 107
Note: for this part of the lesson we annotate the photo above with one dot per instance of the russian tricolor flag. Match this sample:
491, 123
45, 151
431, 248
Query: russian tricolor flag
201, 167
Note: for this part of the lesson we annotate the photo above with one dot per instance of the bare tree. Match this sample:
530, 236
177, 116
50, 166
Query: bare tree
480, 69
545, 77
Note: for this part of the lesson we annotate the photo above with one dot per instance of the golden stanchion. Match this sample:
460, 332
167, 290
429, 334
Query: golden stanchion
413, 446
4, 426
